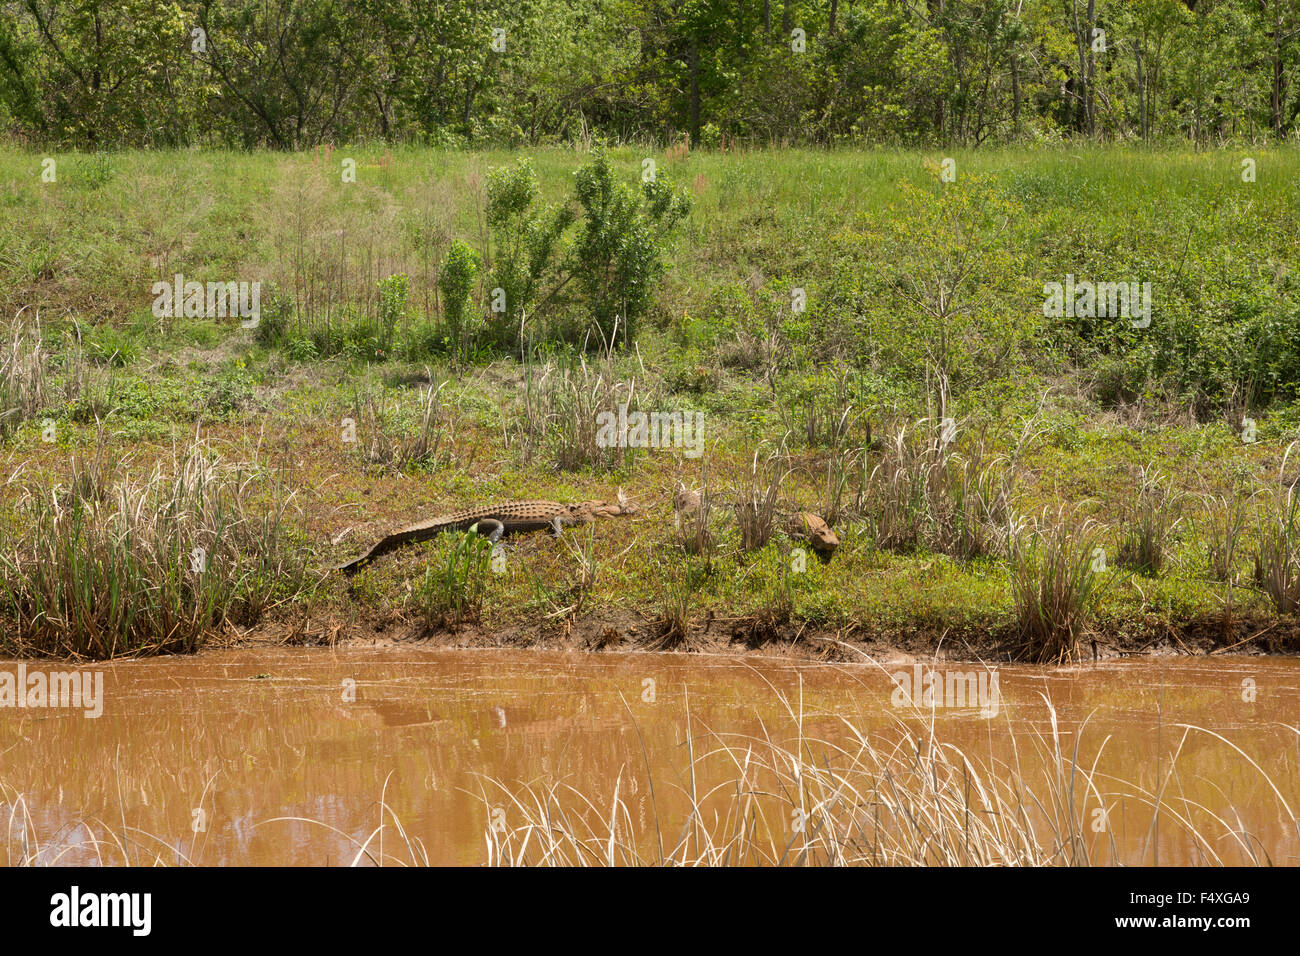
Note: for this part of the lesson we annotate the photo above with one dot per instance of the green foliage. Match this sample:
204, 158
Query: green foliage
229, 392
452, 590
272, 323
610, 265
291, 74
456, 283
107, 345
392, 306
907, 278
932, 287
526, 247
619, 248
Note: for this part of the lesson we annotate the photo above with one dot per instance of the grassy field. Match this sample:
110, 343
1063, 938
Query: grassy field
1002, 482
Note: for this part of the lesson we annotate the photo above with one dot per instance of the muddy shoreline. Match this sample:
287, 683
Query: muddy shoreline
1241, 635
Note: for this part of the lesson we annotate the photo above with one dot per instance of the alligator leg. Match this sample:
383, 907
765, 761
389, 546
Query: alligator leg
490, 528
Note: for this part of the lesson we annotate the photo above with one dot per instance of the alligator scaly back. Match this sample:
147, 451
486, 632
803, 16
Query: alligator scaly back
505, 518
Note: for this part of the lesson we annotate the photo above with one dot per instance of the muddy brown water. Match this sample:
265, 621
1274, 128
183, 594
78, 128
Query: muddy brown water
201, 758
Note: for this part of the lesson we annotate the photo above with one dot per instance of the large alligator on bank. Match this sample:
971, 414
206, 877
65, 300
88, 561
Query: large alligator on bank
493, 521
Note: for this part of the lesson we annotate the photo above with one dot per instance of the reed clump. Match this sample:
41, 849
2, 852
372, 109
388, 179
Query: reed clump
1057, 579
1277, 558
117, 564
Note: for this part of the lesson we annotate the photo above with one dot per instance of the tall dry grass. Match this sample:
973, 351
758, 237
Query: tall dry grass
924, 493
527, 421
673, 629
399, 438
32, 378
1057, 579
693, 522
117, 564
1277, 558
901, 797
580, 392
758, 498
811, 790
22, 376
1223, 530
1148, 519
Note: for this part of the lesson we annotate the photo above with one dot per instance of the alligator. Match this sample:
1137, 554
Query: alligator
493, 521
806, 525
803, 525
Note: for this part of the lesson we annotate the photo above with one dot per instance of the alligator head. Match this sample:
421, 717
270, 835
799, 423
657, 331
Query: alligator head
606, 509
823, 540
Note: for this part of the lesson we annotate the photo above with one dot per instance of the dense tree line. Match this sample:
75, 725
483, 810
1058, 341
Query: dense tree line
294, 73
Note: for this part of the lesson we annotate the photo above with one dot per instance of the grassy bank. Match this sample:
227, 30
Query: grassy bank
1001, 481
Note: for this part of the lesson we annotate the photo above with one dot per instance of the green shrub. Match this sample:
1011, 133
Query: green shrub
229, 392
273, 321
302, 350
452, 591
392, 306
107, 345
456, 283
526, 248
619, 248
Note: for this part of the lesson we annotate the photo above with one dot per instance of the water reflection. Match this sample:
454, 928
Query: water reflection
229, 757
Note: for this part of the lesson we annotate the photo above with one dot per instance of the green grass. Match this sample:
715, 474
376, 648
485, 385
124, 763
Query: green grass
1050, 414
113, 564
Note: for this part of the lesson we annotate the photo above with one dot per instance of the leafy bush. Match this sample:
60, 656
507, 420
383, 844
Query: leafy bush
229, 392
611, 265
273, 320
459, 272
619, 248
932, 289
392, 306
302, 350
527, 244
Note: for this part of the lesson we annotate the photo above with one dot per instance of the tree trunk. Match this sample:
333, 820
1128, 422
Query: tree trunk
1015, 92
1092, 70
695, 92
1142, 90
